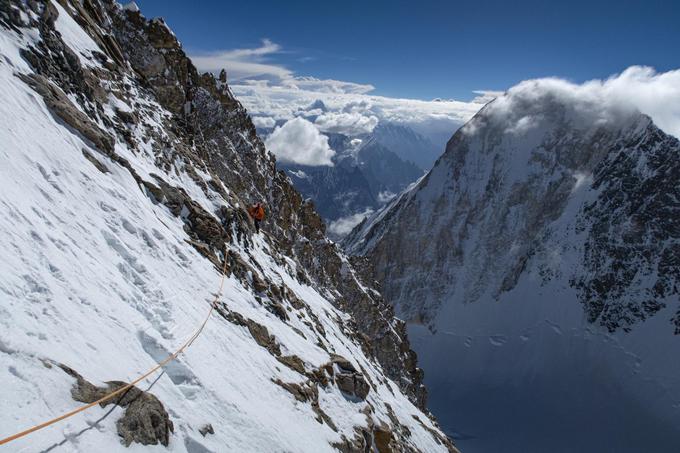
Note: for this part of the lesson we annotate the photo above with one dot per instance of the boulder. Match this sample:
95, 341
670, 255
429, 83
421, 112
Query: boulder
145, 420
206, 429
348, 379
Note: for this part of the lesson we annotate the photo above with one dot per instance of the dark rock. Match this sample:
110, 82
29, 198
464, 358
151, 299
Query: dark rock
348, 379
127, 117
343, 363
277, 310
293, 362
206, 429
98, 165
382, 438
308, 392
259, 332
353, 384
60, 105
145, 420
262, 337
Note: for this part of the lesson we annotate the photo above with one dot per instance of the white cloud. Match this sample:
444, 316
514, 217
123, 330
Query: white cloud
430, 118
522, 125
486, 96
243, 63
655, 94
263, 121
254, 67
342, 226
279, 94
269, 89
326, 85
298, 141
346, 123
385, 196
614, 99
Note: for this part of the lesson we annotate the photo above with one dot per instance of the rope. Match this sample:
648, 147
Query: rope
115, 393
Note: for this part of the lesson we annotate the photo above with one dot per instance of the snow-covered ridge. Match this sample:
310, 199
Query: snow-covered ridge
124, 180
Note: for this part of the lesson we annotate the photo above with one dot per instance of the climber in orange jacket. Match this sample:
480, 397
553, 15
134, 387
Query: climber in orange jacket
257, 213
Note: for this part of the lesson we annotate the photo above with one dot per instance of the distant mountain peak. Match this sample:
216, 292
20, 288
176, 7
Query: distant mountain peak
406, 143
317, 105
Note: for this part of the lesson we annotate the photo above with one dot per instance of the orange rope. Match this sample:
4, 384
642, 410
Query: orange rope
108, 396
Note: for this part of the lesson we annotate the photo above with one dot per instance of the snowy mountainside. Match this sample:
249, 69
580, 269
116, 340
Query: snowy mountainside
124, 183
536, 265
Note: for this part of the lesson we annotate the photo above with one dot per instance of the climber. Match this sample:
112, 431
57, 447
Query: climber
257, 213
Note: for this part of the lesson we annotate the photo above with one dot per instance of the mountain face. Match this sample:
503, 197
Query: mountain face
386, 173
537, 266
365, 175
125, 179
407, 144
338, 191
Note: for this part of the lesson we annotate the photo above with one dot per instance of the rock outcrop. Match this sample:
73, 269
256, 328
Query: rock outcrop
145, 420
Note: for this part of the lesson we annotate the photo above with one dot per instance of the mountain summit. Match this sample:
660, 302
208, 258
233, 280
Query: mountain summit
537, 266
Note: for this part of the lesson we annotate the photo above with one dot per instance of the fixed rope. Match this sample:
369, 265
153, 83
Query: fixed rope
127, 387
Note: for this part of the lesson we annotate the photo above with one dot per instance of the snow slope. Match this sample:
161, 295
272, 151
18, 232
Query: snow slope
100, 275
537, 266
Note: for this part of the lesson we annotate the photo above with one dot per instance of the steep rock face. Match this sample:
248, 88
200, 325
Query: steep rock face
536, 265
140, 167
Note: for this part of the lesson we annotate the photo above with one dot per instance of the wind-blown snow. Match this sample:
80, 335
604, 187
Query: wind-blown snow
638, 88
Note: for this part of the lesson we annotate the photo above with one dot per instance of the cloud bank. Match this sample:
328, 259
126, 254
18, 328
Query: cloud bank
342, 226
273, 95
616, 98
354, 123
352, 112
299, 142
655, 94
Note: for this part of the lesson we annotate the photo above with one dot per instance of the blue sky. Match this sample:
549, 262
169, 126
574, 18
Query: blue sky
429, 49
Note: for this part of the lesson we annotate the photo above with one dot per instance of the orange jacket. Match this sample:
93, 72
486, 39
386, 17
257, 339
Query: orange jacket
256, 212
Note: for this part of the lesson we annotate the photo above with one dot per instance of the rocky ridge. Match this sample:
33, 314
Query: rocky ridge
138, 102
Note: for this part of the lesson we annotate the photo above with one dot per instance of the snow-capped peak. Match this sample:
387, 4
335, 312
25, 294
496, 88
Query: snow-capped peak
537, 257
